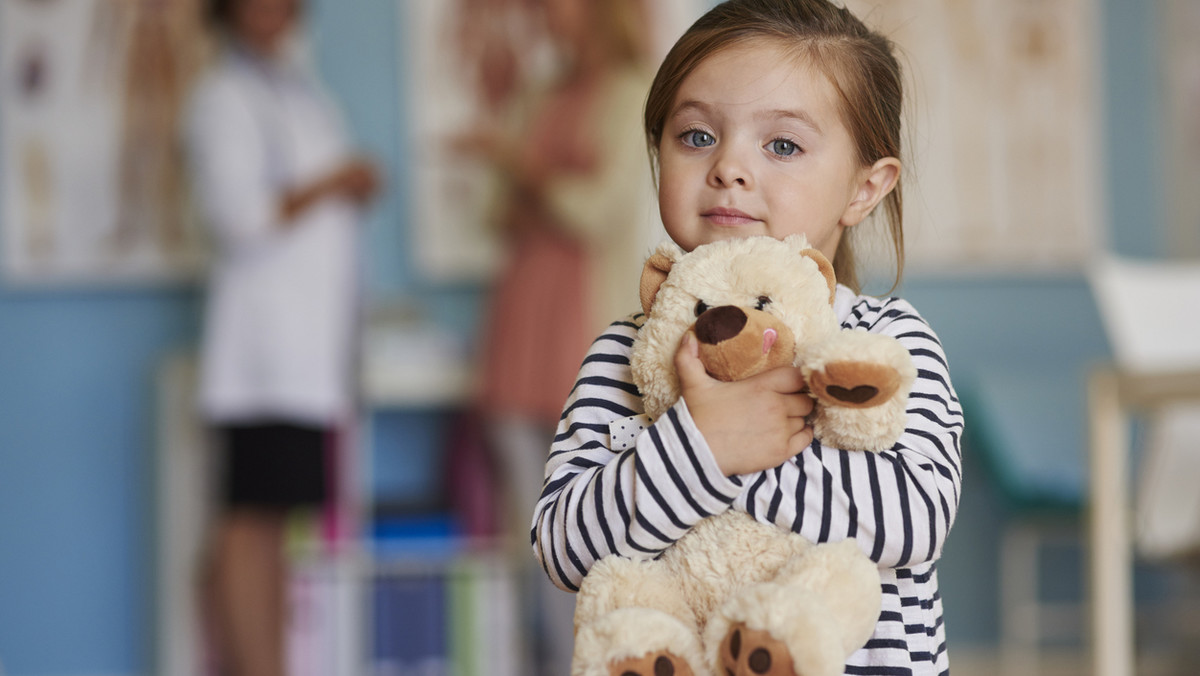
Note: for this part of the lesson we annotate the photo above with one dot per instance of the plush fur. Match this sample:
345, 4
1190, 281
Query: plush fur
734, 595
795, 287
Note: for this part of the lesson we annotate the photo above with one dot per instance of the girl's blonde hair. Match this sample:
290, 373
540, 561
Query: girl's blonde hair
858, 62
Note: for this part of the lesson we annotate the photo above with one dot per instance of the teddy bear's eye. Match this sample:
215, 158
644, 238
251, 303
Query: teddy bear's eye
763, 302
701, 307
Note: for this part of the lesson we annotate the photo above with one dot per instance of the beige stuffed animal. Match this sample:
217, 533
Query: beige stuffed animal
735, 596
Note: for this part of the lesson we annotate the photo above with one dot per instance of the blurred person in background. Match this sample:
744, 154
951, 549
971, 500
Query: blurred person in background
281, 191
577, 218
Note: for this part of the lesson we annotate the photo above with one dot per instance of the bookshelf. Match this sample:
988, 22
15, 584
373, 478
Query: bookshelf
417, 595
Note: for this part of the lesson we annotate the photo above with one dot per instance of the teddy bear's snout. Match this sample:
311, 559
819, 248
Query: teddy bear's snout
719, 324
736, 343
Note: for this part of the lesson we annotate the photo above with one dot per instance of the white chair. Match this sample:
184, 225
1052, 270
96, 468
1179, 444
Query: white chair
1151, 313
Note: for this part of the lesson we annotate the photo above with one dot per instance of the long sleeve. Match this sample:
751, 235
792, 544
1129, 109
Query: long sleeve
282, 301
898, 504
635, 502
602, 498
229, 158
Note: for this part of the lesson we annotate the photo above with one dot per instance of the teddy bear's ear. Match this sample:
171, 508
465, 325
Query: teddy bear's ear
826, 269
658, 265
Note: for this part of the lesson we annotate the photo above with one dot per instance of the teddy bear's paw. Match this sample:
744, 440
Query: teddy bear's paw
754, 652
651, 664
637, 641
854, 384
775, 628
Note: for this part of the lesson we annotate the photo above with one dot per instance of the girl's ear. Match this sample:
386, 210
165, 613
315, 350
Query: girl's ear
875, 183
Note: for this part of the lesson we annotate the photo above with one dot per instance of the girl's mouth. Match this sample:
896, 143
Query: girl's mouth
727, 216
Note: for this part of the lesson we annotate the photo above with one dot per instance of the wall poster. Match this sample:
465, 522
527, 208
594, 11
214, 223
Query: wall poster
443, 95
92, 185
1180, 63
1004, 161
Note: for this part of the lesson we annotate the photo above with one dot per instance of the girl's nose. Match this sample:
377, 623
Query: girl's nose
729, 170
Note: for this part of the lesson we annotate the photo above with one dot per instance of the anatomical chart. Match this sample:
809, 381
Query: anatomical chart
451, 77
1180, 63
1002, 130
93, 185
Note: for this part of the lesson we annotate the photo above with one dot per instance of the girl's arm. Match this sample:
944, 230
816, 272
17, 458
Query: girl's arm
599, 500
899, 504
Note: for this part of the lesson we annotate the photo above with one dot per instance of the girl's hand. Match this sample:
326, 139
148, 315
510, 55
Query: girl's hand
752, 424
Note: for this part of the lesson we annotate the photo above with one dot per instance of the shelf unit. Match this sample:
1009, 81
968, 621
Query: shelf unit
345, 586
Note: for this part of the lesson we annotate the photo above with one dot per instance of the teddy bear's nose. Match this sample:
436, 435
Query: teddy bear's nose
719, 324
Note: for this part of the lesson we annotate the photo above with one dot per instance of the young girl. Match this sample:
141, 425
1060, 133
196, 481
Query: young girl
769, 117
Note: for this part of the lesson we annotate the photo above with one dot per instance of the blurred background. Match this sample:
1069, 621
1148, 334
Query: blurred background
1045, 135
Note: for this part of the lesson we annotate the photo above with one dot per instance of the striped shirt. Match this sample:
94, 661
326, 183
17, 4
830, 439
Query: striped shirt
898, 504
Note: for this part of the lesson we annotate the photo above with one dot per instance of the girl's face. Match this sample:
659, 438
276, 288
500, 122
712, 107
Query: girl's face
754, 145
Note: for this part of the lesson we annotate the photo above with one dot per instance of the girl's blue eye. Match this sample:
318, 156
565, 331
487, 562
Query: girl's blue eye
784, 147
698, 139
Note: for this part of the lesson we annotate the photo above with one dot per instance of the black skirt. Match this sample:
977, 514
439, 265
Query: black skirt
275, 465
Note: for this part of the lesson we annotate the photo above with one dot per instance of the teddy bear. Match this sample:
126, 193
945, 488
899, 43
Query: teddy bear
736, 596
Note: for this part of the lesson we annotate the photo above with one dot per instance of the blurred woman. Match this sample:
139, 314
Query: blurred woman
577, 217
281, 193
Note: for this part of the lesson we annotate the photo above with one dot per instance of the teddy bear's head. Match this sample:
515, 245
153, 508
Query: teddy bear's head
754, 303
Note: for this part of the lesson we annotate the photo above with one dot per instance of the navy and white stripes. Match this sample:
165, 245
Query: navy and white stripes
898, 505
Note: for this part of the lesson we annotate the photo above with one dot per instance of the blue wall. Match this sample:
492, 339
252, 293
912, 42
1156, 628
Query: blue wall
1040, 326
76, 369
75, 464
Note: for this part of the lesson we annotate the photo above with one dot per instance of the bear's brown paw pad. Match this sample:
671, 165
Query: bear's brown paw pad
652, 664
855, 384
752, 652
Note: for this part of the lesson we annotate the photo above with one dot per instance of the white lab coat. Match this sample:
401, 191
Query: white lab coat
281, 311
